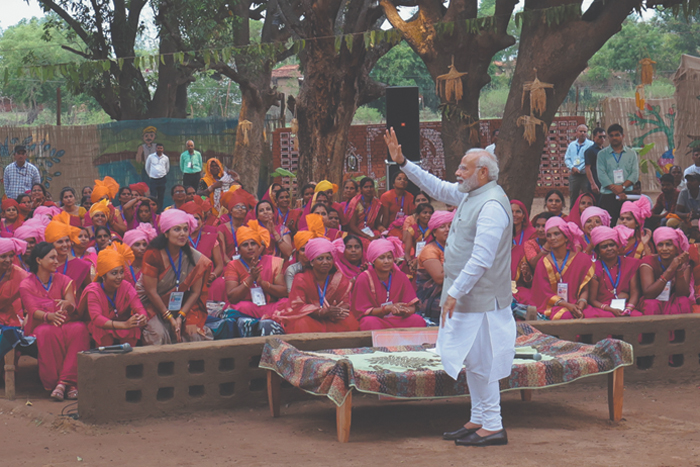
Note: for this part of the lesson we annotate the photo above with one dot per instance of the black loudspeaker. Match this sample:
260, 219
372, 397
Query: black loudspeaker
402, 105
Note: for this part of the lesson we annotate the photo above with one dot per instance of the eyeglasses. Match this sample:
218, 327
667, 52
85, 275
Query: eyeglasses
238, 207
179, 192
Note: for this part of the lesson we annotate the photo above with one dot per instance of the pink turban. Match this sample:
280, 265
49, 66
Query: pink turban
440, 218
173, 217
47, 211
593, 211
667, 233
318, 246
620, 234
640, 209
12, 244
142, 232
378, 247
570, 230
33, 230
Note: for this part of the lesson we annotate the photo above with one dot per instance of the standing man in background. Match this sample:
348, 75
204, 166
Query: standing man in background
576, 163
618, 171
591, 157
191, 166
157, 168
20, 176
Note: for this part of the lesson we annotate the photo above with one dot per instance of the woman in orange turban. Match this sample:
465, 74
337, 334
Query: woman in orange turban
61, 234
216, 181
107, 188
116, 313
254, 283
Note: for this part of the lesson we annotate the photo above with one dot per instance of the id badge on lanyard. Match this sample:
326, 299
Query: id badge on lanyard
258, 296
419, 248
367, 231
618, 176
175, 302
563, 290
665, 295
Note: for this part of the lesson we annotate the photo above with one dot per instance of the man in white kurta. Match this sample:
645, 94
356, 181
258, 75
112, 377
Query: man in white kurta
477, 328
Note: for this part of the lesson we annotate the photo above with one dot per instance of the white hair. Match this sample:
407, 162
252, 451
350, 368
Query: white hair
485, 159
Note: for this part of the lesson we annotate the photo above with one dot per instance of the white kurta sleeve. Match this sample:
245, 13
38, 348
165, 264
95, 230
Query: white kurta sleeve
490, 225
440, 190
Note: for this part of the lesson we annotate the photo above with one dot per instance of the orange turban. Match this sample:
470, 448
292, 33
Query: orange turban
107, 187
110, 258
102, 206
9, 202
140, 188
236, 196
198, 206
316, 229
253, 231
60, 227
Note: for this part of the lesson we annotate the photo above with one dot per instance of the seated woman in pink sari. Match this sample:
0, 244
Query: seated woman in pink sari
61, 332
320, 297
397, 202
116, 313
11, 276
383, 297
591, 218
665, 276
614, 288
82, 249
238, 203
632, 215
69, 204
349, 256
316, 229
583, 202
204, 238
560, 283
284, 214
522, 232
138, 239
416, 236
61, 234
431, 272
32, 232
173, 284
365, 209
254, 283
280, 243
11, 218
350, 189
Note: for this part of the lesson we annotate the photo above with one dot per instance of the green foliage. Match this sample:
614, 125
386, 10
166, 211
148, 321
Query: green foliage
280, 172
367, 115
213, 95
492, 102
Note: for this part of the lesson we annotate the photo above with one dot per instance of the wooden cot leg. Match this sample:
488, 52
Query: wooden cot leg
526, 395
343, 418
273, 392
616, 389
10, 375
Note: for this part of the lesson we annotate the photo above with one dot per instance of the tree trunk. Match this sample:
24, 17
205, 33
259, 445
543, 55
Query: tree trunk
559, 53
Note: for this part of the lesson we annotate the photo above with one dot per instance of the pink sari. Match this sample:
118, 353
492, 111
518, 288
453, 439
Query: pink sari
676, 305
11, 311
577, 272
517, 252
95, 303
271, 267
58, 346
367, 216
369, 292
205, 241
77, 270
627, 273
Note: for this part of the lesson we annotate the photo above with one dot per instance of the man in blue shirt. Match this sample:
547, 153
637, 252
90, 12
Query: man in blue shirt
618, 171
576, 162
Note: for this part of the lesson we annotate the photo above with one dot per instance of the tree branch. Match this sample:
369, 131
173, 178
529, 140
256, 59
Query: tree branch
75, 25
291, 18
78, 52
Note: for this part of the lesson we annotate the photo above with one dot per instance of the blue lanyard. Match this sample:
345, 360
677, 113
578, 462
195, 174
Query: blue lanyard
285, 217
633, 249
178, 271
245, 265
24, 265
578, 148
422, 231
522, 233
233, 234
440, 246
619, 273
585, 236
322, 294
199, 237
347, 205
3, 276
617, 159
65, 267
112, 301
387, 287
563, 265
47, 286
403, 198
72, 250
663, 268
133, 274
367, 209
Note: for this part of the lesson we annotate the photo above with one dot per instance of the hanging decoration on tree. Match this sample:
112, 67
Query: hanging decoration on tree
640, 97
295, 129
246, 126
449, 86
647, 74
538, 95
530, 123
538, 104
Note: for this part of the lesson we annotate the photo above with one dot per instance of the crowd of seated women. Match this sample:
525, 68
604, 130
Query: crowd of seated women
112, 270
579, 266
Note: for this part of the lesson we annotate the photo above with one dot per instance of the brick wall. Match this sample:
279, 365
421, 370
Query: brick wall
365, 142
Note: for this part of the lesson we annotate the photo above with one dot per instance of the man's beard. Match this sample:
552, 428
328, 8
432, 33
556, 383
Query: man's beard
470, 184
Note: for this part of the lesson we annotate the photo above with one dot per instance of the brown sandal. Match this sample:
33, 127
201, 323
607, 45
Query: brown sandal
72, 393
58, 393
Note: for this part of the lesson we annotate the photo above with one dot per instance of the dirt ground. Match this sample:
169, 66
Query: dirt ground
564, 425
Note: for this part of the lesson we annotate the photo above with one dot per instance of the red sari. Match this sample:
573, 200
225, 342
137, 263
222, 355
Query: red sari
627, 273
58, 345
290, 219
369, 292
205, 240
368, 215
8, 231
397, 205
675, 305
271, 267
77, 270
304, 299
11, 311
95, 303
230, 241
577, 272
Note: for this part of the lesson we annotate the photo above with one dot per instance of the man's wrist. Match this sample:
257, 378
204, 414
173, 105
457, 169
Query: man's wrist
403, 162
